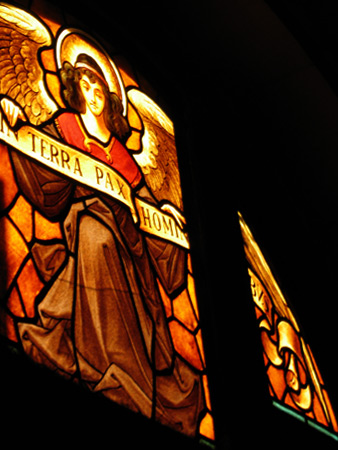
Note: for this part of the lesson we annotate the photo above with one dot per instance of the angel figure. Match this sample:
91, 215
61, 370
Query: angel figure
101, 322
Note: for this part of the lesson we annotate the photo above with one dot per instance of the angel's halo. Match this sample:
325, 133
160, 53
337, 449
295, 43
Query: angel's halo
71, 42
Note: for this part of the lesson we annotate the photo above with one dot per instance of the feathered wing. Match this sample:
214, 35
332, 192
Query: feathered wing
158, 158
21, 76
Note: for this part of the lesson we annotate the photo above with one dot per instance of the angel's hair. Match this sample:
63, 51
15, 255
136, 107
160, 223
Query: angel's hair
70, 77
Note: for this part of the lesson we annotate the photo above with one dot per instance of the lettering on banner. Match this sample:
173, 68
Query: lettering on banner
86, 170
163, 225
55, 156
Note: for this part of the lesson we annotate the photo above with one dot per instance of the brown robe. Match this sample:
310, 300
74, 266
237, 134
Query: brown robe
102, 319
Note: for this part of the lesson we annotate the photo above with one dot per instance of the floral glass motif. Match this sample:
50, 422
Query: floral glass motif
295, 383
92, 225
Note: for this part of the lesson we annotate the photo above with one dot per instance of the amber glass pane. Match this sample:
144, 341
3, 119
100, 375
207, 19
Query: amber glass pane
14, 304
134, 119
21, 213
185, 344
192, 294
8, 187
53, 84
318, 411
183, 311
13, 250
48, 60
207, 392
44, 229
200, 346
207, 427
30, 286
134, 141
128, 80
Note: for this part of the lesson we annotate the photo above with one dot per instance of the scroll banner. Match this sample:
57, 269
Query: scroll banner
82, 168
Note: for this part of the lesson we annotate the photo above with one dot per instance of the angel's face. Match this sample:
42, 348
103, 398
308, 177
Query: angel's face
93, 95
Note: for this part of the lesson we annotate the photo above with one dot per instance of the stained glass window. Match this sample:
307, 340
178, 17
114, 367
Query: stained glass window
295, 383
97, 278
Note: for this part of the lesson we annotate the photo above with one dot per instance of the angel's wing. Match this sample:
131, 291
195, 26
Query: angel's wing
21, 76
259, 265
158, 158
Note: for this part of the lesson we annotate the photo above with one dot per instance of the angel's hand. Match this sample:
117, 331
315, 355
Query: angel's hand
175, 213
12, 111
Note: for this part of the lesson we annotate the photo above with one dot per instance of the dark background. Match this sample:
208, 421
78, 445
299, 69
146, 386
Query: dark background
252, 89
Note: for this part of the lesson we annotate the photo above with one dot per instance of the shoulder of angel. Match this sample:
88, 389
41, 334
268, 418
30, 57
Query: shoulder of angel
22, 37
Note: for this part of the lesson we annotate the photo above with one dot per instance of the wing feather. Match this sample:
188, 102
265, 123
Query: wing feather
158, 158
21, 38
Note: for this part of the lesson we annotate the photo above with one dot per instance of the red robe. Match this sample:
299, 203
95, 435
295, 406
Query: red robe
112, 153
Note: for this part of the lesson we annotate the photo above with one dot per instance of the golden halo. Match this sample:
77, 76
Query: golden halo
71, 42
